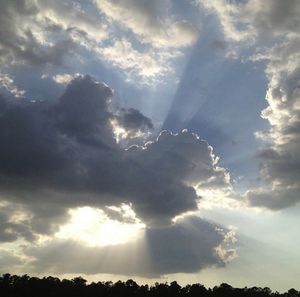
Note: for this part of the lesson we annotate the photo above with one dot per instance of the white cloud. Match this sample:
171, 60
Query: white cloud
45, 33
140, 66
65, 78
150, 21
8, 84
280, 159
273, 27
27, 37
72, 16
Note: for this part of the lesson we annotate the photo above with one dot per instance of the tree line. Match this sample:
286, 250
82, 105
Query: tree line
26, 286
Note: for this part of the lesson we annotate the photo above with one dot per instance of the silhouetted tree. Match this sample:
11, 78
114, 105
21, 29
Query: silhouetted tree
26, 286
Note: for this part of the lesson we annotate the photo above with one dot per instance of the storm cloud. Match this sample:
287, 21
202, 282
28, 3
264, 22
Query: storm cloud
63, 153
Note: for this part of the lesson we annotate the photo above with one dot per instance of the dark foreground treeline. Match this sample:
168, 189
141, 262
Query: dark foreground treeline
25, 286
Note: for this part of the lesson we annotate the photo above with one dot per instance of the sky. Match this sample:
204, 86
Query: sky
154, 140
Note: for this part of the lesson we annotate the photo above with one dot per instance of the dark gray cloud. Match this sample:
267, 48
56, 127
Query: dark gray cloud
274, 199
275, 16
187, 246
3, 104
7, 261
13, 226
133, 120
63, 154
282, 170
82, 113
131, 127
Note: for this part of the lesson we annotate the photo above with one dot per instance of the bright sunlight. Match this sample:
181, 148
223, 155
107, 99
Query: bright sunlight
94, 227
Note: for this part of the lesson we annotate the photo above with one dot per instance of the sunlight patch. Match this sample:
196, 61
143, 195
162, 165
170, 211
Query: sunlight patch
94, 227
215, 198
121, 133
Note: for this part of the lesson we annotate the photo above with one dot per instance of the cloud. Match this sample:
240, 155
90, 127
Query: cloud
274, 199
273, 27
132, 119
130, 124
14, 224
182, 161
74, 17
229, 16
150, 21
188, 246
65, 78
280, 159
7, 84
274, 17
46, 34
8, 260
146, 64
145, 39
63, 154
253, 19
24, 37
